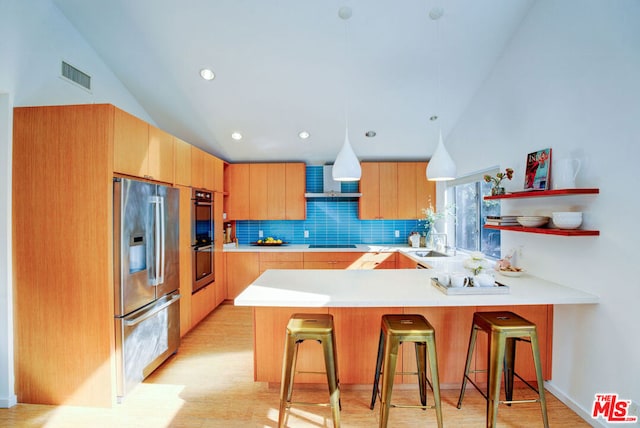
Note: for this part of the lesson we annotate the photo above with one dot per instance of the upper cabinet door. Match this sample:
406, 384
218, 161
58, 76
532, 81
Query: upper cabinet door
197, 167
425, 189
182, 172
237, 184
258, 196
141, 150
295, 184
218, 174
395, 190
161, 155
276, 190
407, 190
369, 202
389, 190
130, 145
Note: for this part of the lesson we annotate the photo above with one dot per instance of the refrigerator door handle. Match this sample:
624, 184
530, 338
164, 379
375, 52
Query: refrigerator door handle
158, 250
147, 315
163, 238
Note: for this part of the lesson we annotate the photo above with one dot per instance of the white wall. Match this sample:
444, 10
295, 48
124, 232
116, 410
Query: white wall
570, 80
34, 39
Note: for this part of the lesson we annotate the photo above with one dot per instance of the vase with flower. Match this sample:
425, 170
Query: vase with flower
496, 181
427, 223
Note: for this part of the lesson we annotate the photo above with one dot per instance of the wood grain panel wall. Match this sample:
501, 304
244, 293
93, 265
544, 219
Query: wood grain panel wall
63, 253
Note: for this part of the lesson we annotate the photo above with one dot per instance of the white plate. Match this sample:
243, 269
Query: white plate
511, 273
532, 221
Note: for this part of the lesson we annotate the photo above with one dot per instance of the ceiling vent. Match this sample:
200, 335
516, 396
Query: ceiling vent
76, 76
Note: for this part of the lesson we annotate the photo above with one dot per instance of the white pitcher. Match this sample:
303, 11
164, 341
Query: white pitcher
564, 173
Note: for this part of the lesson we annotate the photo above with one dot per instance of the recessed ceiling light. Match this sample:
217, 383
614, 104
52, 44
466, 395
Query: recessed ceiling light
370, 134
304, 135
236, 136
207, 74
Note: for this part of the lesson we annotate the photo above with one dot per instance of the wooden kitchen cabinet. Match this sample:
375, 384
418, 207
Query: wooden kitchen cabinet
202, 303
142, 150
405, 262
394, 190
415, 192
218, 256
206, 170
348, 260
64, 338
378, 186
185, 254
242, 268
197, 167
280, 260
265, 191
295, 186
182, 174
130, 144
236, 177
262, 177
161, 155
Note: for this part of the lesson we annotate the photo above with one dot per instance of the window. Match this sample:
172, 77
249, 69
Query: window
471, 211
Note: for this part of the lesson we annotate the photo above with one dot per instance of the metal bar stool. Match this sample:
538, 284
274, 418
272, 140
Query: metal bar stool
503, 330
303, 327
395, 330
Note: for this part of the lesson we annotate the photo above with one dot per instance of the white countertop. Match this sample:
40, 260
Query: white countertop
445, 263
391, 288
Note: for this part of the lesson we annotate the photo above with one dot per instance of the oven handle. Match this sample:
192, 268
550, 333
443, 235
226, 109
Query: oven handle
147, 315
203, 248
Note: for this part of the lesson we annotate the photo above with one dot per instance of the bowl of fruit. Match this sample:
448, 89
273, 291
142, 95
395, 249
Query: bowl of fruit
269, 241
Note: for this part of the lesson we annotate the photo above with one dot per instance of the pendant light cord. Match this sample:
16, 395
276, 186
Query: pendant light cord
345, 14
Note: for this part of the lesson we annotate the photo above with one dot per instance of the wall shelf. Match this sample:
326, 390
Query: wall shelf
545, 193
545, 231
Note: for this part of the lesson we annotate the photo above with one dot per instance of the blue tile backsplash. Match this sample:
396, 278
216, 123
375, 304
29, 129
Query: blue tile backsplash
329, 221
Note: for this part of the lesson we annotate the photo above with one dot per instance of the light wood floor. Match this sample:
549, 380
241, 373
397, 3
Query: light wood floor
209, 383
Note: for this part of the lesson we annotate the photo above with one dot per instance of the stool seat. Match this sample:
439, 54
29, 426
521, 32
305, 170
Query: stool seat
504, 328
396, 329
303, 327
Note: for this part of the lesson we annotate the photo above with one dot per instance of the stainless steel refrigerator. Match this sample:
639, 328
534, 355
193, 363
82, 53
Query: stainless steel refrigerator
146, 278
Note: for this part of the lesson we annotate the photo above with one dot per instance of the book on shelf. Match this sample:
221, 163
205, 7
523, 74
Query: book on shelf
505, 220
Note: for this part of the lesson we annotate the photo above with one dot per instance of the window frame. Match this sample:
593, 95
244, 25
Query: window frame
450, 198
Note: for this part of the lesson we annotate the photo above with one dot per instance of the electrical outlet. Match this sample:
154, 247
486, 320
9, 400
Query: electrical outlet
260, 234
397, 233
306, 233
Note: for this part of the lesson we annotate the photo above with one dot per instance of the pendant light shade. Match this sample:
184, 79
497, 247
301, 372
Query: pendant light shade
346, 167
441, 166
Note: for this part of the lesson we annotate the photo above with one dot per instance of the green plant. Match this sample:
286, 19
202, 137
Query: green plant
508, 174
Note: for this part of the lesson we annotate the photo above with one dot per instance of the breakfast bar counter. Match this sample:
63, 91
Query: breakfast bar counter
357, 299
391, 287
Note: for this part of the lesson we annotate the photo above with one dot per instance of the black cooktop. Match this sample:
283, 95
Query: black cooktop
332, 246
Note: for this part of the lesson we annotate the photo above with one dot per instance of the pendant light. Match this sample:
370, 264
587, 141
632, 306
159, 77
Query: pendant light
346, 167
441, 166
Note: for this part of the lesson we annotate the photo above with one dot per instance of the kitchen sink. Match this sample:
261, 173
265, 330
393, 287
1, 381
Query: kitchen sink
430, 253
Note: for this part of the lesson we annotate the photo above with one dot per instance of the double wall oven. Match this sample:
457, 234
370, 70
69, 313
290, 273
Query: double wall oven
202, 239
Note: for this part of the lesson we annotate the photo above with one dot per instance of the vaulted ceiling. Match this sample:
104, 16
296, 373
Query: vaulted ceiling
284, 66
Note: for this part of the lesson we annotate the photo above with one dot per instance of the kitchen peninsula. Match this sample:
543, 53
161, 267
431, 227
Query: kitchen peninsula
358, 298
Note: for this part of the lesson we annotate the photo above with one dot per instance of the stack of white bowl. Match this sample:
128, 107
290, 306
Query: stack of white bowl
567, 220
